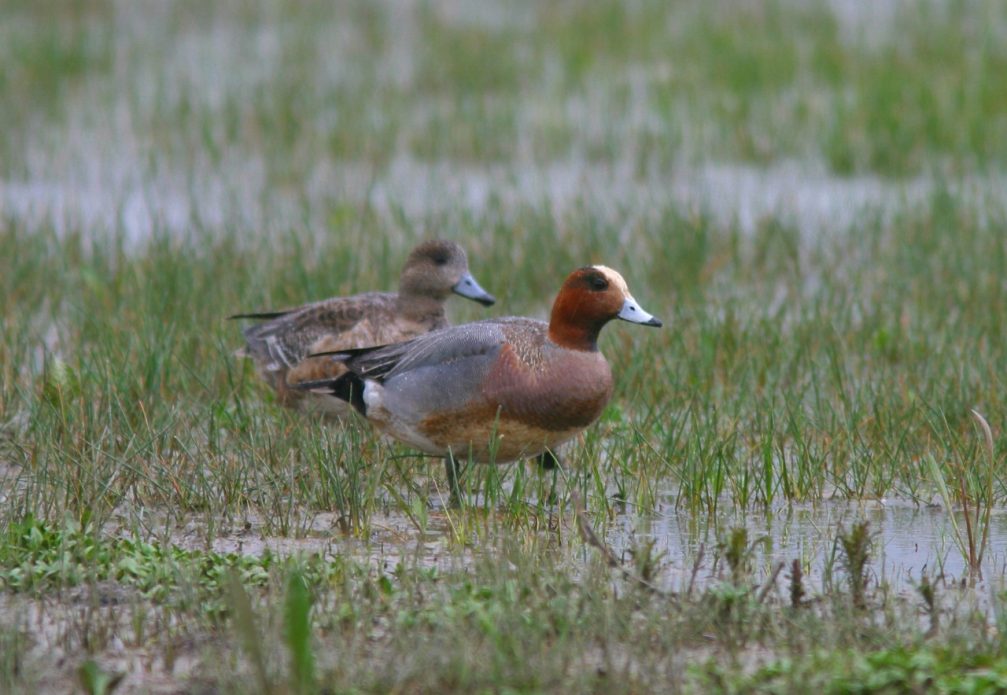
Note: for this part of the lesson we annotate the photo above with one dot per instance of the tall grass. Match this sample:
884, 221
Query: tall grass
123, 390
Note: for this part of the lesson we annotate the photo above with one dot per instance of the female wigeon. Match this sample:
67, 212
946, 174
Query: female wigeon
282, 344
494, 390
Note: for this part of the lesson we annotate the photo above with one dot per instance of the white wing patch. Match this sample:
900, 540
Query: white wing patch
276, 350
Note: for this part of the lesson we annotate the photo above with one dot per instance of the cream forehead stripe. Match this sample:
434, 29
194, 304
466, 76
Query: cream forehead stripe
614, 278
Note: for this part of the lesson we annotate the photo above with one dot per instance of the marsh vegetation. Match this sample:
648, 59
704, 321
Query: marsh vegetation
809, 195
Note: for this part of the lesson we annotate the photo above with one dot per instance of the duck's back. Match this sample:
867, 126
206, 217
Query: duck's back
281, 345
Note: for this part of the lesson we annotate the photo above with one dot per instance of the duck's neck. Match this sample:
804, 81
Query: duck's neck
417, 307
571, 329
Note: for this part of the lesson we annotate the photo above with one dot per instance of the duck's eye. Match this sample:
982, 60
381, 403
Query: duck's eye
598, 283
441, 258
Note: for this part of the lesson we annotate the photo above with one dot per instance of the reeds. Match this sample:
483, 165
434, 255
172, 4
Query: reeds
973, 492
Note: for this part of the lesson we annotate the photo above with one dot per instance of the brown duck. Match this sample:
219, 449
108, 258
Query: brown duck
282, 343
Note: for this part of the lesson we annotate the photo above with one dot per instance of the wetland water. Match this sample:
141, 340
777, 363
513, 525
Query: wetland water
108, 200
908, 542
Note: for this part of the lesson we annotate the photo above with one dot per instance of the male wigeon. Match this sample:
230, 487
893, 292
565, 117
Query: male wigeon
495, 390
281, 346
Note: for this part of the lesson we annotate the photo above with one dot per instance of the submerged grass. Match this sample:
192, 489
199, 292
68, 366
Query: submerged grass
515, 617
165, 165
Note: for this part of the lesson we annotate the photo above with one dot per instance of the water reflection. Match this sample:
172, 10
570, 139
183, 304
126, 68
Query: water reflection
908, 541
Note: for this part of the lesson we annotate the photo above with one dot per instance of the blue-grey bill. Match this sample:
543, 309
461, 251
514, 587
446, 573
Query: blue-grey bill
470, 289
632, 312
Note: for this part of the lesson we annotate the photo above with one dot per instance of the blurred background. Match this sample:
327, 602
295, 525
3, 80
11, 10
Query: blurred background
132, 119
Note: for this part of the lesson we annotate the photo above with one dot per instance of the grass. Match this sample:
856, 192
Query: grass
254, 157
651, 82
515, 616
810, 393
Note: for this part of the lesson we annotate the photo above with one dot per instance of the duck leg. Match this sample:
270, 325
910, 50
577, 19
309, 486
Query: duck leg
451, 469
547, 460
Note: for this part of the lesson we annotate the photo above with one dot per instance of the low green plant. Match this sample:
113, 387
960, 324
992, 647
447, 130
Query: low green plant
36, 558
856, 550
97, 681
297, 619
917, 668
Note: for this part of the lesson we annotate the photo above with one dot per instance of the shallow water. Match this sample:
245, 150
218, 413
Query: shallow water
392, 539
908, 542
107, 202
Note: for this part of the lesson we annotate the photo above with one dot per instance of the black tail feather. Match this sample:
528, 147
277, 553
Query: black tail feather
263, 315
350, 388
347, 387
347, 353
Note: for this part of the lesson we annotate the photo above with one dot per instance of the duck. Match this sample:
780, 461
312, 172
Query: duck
282, 343
496, 390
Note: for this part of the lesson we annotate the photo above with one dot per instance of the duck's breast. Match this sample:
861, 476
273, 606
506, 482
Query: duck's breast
552, 389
